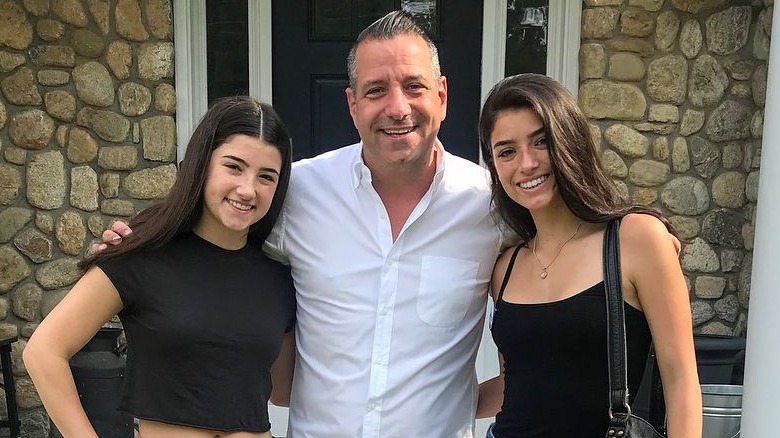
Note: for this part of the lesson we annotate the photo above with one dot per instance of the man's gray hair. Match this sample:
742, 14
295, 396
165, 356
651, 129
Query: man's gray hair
394, 24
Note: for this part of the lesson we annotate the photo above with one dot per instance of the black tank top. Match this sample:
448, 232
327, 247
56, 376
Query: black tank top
555, 364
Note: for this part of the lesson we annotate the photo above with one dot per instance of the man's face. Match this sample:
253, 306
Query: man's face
397, 104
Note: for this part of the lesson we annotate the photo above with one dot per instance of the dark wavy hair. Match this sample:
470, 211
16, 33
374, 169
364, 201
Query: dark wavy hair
181, 210
585, 187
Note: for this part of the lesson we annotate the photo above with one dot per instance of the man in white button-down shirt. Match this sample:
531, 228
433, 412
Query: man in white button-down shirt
391, 244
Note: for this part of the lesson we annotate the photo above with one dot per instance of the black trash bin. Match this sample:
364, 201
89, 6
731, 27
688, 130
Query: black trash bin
719, 359
98, 371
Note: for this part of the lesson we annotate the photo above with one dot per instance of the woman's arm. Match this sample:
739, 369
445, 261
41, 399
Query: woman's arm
491, 393
91, 302
655, 279
282, 371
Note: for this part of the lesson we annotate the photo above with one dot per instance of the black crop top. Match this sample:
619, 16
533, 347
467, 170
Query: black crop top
555, 365
203, 326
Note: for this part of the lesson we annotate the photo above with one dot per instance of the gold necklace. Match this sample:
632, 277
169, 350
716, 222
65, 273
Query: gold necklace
543, 274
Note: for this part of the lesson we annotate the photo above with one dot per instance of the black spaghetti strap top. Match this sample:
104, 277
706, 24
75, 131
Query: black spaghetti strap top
555, 363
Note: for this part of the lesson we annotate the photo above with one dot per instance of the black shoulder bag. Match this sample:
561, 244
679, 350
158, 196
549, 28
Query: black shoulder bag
622, 424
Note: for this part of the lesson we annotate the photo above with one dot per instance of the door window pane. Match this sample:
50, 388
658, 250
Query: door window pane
331, 20
227, 48
426, 13
368, 11
343, 20
526, 36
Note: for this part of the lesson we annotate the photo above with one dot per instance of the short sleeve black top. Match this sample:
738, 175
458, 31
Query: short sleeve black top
203, 327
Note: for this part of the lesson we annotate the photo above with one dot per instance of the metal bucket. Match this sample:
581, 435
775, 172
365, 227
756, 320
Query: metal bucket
722, 406
716, 357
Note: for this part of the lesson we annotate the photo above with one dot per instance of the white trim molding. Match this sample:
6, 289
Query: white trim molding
189, 22
493, 44
260, 50
762, 382
563, 42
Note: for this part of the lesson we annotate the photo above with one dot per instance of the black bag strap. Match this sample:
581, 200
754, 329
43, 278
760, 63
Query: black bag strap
616, 339
616, 324
657, 414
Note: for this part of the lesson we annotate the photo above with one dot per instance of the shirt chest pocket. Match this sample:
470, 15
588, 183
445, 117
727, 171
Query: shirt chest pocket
447, 288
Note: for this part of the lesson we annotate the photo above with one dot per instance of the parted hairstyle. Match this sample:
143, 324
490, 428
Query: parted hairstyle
392, 25
181, 210
585, 187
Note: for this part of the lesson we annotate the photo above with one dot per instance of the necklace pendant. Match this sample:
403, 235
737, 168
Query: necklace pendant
543, 274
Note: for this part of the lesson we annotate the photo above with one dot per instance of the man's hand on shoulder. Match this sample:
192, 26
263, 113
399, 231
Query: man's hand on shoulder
112, 236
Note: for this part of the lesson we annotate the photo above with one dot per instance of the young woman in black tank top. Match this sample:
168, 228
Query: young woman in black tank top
550, 321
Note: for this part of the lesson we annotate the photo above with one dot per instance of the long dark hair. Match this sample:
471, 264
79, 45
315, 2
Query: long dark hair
585, 187
181, 210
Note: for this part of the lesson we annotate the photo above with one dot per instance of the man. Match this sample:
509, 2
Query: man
391, 244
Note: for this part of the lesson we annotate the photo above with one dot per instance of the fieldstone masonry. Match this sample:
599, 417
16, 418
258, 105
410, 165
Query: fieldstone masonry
87, 135
675, 90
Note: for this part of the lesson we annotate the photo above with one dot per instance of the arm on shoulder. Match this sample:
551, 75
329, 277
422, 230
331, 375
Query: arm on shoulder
111, 236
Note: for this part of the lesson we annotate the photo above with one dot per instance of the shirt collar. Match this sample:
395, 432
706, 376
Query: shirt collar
361, 172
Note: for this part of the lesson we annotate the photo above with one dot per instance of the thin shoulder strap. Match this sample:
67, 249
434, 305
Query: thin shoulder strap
616, 328
508, 272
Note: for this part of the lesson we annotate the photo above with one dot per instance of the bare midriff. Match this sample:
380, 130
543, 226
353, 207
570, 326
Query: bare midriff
155, 429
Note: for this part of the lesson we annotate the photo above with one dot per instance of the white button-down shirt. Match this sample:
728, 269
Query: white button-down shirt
387, 332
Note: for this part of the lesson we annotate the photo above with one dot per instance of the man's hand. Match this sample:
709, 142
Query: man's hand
112, 236
675, 241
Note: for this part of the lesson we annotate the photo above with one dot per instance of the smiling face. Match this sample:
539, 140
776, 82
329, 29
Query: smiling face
522, 158
240, 184
397, 104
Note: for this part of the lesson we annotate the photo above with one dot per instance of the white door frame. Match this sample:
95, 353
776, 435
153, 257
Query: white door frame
563, 44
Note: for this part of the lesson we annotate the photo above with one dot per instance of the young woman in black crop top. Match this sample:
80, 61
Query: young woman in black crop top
205, 313
550, 319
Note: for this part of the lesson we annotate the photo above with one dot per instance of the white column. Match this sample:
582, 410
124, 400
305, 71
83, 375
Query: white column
761, 400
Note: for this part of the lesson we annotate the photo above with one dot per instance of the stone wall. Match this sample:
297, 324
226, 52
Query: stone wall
87, 135
675, 90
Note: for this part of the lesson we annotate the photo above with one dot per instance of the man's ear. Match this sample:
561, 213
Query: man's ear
443, 96
351, 101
